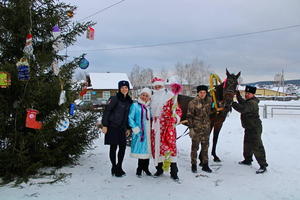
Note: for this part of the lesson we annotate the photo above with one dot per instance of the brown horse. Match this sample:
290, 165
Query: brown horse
224, 94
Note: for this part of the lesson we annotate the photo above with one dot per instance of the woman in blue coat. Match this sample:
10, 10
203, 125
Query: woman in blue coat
139, 121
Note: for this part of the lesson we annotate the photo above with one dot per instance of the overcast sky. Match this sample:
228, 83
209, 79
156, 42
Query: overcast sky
146, 22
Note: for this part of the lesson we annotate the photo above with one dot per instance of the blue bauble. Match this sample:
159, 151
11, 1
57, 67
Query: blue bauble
83, 63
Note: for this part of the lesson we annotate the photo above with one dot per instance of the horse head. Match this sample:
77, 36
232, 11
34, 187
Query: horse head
229, 88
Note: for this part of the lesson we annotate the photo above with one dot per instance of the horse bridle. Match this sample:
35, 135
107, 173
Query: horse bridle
229, 92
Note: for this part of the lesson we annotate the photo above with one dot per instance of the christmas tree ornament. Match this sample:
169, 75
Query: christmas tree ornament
55, 31
83, 91
31, 119
62, 125
62, 97
55, 68
72, 109
70, 13
58, 44
5, 80
83, 63
28, 49
23, 69
90, 33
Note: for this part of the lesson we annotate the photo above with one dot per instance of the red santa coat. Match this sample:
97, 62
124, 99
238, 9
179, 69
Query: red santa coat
166, 114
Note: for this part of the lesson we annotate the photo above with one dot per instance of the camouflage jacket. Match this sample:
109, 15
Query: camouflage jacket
198, 113
249, 112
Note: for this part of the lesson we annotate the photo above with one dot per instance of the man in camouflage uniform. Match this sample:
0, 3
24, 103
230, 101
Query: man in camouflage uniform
253, 128
199, 124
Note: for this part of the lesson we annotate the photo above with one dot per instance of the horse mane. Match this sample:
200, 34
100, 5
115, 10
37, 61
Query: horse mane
219, 92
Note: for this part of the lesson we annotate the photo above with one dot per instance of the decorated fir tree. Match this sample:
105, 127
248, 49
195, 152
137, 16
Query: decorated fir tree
36, 90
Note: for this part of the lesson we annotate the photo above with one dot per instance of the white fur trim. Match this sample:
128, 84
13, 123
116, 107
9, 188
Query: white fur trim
158, 83
140, 156
136, 130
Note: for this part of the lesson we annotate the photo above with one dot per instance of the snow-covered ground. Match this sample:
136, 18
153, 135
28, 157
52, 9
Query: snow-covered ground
91, 179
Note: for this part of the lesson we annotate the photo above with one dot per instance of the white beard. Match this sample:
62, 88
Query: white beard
158, 100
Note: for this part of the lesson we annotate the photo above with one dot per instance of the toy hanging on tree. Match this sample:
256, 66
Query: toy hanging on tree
58, 44
70, 13
62, 125
31, 119
28, 49
5, 80
55, 68
23, 69
83, 63
90, 33
72, 109
62, 97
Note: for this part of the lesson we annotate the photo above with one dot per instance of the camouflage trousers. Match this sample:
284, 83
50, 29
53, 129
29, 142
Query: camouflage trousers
253, 145
203, 139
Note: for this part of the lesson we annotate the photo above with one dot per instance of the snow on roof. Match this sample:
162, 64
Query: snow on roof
107, 80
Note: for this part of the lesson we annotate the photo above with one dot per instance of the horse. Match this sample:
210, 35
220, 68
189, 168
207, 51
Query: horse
224, 95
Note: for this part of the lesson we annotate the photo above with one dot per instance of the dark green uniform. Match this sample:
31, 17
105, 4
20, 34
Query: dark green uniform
253, 129
199, 124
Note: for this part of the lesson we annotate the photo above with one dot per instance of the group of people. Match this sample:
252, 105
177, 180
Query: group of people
151, 121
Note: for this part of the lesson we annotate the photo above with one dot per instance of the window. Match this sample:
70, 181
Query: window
106, 95
87, 97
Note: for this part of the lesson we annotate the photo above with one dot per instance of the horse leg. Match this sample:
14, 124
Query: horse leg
217, 127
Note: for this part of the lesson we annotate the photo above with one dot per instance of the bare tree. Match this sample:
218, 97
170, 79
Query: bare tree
164, 74
180, 72
140, 77
193, 74
134, 76
146, 77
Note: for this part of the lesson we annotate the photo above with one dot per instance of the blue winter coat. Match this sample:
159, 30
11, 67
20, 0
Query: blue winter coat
140, 143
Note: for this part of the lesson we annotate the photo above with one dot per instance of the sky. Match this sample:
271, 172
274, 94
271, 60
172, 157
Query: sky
144, 22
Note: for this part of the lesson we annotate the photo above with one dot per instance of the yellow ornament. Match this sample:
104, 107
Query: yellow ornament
4, 80
70, 13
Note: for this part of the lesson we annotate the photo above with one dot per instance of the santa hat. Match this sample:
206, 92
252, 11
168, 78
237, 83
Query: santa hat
158, 81
146, 90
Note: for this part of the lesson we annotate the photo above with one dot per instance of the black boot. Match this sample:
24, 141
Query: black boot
113, 170
194, 168
174, 171
146, 167
206, 168
159, 170
119, 171
261, 170
139, 169
245, 162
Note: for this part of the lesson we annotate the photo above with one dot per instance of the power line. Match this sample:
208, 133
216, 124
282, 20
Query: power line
195, 41
106, 8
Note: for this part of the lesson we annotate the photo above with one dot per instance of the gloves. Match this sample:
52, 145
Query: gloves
136, 130
128, 132
191, 133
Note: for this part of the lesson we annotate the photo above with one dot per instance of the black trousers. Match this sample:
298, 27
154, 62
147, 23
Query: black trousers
113, 152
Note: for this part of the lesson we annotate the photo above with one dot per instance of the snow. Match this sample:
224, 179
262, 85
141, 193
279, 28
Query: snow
104, 81
91, 179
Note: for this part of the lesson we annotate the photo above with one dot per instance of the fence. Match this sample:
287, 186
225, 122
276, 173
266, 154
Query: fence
269, 110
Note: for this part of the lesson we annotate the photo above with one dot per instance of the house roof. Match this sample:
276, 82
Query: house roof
107, 80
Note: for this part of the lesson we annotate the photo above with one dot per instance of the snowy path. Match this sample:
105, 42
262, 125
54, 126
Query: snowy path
91, 179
